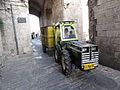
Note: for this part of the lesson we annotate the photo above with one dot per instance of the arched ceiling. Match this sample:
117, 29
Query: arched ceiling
36, 6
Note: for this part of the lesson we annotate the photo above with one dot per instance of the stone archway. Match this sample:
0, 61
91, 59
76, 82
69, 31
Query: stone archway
52, 11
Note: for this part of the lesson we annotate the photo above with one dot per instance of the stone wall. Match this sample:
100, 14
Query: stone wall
107, 15
53, 12
73, 11
1, 45
92, 20
18, 10
57, 10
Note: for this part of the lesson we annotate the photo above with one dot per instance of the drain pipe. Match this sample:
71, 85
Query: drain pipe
14, 28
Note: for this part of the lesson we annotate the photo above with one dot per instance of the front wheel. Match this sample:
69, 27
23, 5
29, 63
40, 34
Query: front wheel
66, 63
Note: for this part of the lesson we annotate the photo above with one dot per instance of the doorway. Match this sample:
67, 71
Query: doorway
35, 31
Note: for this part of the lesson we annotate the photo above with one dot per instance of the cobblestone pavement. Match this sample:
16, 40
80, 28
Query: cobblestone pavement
40, 72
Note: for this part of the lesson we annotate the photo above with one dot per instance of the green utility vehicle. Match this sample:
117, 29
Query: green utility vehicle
68, 50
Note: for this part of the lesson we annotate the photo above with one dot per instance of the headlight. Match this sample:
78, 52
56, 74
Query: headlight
84, 49
94, 49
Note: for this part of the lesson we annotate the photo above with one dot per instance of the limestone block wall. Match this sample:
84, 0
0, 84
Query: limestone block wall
92, 20
53, 12
57, 10
19, 11
107, 14
7, 36
73, 11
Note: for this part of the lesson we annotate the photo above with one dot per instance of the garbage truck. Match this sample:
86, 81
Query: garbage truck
68, 50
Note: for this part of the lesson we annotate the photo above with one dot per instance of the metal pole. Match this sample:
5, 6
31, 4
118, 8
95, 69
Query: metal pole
14, 28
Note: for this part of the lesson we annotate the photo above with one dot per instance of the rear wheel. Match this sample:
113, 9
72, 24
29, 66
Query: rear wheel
66, 63
57, 55
44, 48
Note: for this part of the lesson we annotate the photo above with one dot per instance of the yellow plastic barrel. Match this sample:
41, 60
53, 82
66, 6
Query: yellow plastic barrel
47, 36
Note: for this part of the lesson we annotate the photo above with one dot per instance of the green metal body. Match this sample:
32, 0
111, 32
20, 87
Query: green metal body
63, 36
84, 55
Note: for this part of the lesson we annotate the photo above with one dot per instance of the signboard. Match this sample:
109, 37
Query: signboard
21, 20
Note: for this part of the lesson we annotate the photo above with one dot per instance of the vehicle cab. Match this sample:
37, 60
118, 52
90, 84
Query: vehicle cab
65, 31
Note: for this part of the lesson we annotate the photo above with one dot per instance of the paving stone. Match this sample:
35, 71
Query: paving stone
36, 73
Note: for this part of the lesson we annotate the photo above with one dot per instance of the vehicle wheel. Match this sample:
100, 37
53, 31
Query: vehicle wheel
44, 48
66, 63
57, 55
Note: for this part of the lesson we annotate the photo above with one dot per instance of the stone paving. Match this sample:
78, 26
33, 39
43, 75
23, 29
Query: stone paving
40, 72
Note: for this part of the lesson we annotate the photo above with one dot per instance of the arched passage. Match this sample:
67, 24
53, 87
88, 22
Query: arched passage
34, 25
16, 19
36, 8
52, 11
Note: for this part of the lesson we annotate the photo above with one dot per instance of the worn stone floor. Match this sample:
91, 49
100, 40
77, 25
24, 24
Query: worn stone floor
40, 72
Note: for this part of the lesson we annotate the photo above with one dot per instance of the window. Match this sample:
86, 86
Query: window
68, 32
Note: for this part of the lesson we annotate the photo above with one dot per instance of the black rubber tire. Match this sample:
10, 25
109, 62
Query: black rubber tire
66, 63
57, 55
44, 48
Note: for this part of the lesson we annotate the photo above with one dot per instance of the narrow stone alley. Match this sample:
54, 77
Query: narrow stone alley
40, 72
